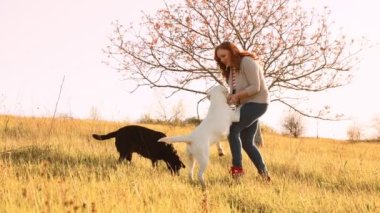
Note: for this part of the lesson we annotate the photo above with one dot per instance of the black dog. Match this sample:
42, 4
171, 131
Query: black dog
144, 141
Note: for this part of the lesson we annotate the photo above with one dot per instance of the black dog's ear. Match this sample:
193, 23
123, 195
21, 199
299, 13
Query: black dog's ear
170, 146
160, 135
183, 165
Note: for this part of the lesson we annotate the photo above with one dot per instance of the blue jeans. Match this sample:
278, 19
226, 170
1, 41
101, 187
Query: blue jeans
242, 134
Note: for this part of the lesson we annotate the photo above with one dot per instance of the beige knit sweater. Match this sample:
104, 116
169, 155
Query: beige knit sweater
251, 79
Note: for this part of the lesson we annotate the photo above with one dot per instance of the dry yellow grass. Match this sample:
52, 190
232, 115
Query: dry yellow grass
65, 170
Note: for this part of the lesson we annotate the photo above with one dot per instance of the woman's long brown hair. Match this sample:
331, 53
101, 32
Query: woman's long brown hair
236, 57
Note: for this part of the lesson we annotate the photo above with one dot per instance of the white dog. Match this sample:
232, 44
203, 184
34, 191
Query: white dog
214, 126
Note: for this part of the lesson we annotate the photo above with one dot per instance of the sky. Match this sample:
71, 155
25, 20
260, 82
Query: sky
45, 44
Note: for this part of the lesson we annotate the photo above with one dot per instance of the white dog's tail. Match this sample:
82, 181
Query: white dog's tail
182, 138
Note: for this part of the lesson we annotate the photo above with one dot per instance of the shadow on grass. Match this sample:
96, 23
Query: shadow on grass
35, 154
53, 162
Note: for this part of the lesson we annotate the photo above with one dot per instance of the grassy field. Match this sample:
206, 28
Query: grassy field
55, 166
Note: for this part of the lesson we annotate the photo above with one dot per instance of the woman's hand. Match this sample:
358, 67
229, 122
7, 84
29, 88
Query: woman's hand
232, 99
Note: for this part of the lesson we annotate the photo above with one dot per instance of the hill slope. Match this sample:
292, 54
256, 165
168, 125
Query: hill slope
55, 166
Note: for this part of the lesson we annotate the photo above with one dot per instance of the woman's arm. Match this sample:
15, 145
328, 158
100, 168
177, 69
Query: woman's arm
252, 73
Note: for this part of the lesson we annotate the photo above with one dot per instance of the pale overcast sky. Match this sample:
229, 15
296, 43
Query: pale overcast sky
42, 41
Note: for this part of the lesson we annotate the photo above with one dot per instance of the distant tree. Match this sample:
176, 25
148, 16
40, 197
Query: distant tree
293, 124
174, 114
147, 118
174, 48
376, 125
94, 113
2, 103
193, 120
354, 132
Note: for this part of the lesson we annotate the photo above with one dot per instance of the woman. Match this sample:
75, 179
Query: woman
249, 92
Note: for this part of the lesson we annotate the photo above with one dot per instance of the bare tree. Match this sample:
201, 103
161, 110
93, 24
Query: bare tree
175, 114
163, 114
174, 48
94, 113
376, 125
293, 124
2, 103
354, 132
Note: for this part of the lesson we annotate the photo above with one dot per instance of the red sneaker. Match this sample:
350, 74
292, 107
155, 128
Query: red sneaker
237, 171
